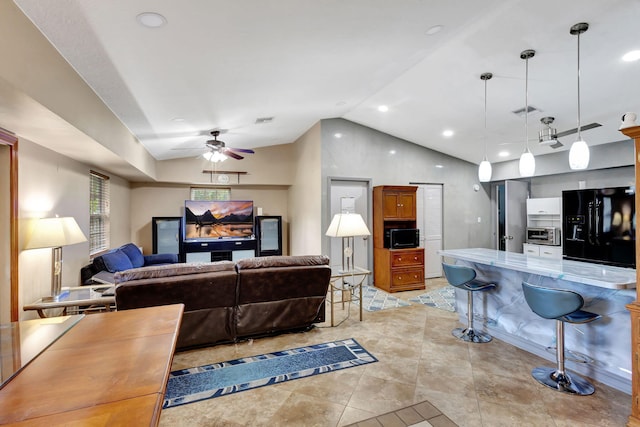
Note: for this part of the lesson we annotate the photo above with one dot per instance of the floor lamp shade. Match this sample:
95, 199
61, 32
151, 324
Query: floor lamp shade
55, 233
347, 226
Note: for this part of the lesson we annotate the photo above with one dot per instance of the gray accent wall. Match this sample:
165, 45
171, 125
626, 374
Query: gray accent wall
362, 152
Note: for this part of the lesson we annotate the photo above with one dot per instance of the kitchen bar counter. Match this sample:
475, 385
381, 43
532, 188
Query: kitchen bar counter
604, 344
575, 271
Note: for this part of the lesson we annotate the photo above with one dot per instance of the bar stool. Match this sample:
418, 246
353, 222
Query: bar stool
563, 306
465, 278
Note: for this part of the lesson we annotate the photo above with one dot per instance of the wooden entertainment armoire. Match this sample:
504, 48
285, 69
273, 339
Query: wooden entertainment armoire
634, 307
395, 269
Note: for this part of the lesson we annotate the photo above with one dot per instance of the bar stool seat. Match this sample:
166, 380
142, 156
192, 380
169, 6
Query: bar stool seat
563, 306
464, 278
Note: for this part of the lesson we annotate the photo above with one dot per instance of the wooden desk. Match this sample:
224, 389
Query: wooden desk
109, 369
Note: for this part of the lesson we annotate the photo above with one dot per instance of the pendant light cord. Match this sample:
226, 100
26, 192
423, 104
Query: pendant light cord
485, 119
579, 136
526, 104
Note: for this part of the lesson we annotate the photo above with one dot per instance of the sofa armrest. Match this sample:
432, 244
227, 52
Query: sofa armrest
155, 259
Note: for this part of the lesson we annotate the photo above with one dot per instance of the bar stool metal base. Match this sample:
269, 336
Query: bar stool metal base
471, 335
573, 384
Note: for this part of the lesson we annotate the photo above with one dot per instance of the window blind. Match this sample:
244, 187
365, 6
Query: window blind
204, 193
98, 212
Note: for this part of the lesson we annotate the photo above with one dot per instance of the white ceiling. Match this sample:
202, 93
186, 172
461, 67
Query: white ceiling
224, 64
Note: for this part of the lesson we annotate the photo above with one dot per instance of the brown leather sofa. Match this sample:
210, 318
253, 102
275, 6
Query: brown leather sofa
227, 301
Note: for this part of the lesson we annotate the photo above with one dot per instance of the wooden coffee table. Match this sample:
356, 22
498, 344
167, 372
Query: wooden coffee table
109, 369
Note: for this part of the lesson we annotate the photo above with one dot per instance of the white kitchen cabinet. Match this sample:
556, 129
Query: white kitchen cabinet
544, 206
544, 251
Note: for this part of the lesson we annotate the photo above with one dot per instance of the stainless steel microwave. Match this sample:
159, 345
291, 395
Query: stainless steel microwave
543, 236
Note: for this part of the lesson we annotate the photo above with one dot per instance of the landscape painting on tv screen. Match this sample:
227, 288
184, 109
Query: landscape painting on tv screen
218, 219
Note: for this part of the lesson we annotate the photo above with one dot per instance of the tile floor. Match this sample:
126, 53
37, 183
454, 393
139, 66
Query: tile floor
486, 385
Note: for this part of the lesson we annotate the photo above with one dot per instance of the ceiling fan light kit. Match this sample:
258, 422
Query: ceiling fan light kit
484, 170
579, 152
527, 165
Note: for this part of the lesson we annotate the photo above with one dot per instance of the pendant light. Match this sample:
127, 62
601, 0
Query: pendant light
579, 153
484, 171
527, 164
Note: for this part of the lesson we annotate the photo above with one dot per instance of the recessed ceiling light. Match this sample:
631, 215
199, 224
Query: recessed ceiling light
337, 135
383, 108
503, 153
634, 55
447, 132
151, 19
434, 30
439, 166
392, 152
177, 119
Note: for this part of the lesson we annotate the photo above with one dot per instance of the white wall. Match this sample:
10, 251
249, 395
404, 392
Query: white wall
305, 204
50, 184
362, 152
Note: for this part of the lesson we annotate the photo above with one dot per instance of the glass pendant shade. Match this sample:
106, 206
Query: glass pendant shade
484, 171
579, 155
527, 164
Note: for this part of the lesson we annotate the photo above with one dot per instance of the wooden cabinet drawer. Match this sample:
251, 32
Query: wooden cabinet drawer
406, 276
406, 258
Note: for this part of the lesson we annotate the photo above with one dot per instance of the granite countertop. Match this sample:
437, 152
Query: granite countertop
587, 273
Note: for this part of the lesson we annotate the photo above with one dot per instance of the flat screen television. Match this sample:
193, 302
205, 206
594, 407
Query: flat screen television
220, 219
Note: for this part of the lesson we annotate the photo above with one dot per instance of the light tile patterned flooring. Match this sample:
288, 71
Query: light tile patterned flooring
471, 385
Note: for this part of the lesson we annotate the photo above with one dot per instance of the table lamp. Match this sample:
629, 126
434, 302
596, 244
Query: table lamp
55, 233
347, 226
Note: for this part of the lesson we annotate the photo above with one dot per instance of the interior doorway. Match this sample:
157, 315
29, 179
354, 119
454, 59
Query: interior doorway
352, 196
429, 203
8, 227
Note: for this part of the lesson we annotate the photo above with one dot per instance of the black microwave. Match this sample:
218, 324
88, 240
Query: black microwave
401, 238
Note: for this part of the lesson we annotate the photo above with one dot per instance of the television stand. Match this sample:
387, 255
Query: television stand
218, 250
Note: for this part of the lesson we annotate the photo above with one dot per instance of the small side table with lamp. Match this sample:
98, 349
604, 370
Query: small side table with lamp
347, 226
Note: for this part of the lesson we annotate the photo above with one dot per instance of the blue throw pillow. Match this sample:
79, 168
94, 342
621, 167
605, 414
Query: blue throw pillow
134, 254
116, 261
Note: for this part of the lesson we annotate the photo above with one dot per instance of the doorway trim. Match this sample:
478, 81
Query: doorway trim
11, 140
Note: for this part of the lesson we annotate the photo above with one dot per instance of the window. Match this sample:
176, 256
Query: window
98, 212
203, 193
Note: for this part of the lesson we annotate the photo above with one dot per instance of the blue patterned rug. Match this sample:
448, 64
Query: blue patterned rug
209, 381
443, 298
374, 299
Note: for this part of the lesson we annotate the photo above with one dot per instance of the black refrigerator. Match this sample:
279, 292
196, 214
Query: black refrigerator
600, 226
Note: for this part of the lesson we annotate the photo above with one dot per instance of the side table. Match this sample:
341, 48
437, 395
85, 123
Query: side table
85, 298
349, 290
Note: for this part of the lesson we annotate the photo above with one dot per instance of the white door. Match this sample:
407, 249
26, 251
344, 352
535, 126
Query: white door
429, 220
351, 196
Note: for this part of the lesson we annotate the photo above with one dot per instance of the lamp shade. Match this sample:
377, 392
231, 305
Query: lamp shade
55, 232
527, 164
347, 225
484, 171
579, 155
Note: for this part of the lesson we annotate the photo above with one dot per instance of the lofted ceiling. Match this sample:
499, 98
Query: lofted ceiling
228, 64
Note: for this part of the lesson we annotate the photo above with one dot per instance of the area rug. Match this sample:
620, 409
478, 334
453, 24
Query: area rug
443, 298
374, 299
219, 379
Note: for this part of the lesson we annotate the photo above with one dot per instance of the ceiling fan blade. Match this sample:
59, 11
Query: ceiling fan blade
241, 150
231, 154
558, 144
582, 128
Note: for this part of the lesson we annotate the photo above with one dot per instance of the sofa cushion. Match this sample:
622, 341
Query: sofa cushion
116, 261
134, 254
282, 261
168, 270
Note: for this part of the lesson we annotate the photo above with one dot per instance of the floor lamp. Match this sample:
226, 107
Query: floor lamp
347, 226
55, 233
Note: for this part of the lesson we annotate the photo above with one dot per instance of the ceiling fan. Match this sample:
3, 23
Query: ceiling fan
549, 136
216, 146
